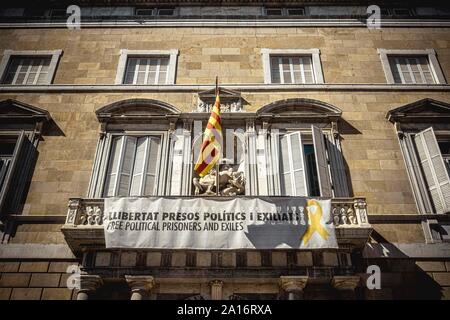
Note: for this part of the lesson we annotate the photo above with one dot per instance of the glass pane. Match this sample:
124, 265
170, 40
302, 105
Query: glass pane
31, 78
140, 78
418, 77
407, 77
128, 78
275, 70
143, 64
162, 78
151, 78
42, 79
394, 70
153, 65
20, 78
309, 77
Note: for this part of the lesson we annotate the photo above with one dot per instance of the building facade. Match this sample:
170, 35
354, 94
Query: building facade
319, 104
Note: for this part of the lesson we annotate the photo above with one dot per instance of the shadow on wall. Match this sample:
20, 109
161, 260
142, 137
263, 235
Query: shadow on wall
346, 128
401, 277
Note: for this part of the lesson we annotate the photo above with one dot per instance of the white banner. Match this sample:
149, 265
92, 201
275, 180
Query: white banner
214, 223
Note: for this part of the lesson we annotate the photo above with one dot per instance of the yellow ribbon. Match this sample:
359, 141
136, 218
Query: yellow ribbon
314, 222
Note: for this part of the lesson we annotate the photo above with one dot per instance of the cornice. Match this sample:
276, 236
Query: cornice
180, 88
216, 22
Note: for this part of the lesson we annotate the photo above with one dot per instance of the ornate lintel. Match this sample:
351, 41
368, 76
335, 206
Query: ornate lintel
140, 283
293, 283
345, 282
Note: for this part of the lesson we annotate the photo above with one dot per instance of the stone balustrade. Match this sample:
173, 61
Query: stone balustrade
84, 222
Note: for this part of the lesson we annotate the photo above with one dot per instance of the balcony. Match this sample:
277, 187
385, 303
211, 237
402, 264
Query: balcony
84, 223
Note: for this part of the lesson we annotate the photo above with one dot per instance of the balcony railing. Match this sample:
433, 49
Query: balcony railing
84, 222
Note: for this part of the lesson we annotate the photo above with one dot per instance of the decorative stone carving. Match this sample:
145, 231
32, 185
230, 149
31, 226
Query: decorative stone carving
88, 284
345, 282
230, 101
231, 182
140, 286
293, 286
92, 215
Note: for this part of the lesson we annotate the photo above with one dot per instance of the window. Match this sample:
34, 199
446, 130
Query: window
28, 67
144, 12
18, 151
411, 66
292, 66
146, 70
142, 67
166, 11
25, 70
154, 11
274, 11
131, 158
295, 11
303, 157
291, 69
133, 166
411, 69
397, 12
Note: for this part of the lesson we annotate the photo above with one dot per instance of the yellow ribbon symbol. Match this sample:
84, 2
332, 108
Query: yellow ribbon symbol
314, 222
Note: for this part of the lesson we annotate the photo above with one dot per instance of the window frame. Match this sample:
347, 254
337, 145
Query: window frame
432, 61
105, 149
172, 54
8, 54
315, 63
132, 173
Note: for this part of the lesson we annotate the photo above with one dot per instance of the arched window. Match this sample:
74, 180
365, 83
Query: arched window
133, 151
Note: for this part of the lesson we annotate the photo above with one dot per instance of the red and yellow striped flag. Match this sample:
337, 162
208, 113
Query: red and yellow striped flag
212, 138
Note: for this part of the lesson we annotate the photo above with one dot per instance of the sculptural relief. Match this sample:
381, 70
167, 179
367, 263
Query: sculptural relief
231, 182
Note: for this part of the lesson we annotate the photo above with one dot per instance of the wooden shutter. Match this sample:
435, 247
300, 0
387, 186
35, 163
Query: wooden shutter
434, 170
337, 168
153, 156
292, 169
12, 170
113, 167
321, 162
137, 180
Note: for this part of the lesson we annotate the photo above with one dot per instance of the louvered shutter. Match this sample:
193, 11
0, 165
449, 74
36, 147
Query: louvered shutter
321, 162
11, 170
337, 168
292, 170
152, 165
137, 180
434, 170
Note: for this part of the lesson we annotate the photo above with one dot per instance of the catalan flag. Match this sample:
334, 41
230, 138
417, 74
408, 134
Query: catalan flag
212, 138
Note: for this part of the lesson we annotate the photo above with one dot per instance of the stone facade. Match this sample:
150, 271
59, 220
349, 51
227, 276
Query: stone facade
84, 82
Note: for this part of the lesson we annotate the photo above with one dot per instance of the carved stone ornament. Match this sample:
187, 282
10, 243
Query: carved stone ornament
230, 101
231, 182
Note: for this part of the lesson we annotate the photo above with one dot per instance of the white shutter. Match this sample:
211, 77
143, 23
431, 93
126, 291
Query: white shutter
292, 169
137, 180
321, 162
126, 166
434, 169
153, 157
261, 164
113, 168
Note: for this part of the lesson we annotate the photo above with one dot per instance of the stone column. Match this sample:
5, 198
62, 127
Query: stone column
88, 284
140, 286
216, 289
293, 286
346, 286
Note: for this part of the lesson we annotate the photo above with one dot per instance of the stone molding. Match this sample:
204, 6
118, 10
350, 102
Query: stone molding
345, 282
293, 283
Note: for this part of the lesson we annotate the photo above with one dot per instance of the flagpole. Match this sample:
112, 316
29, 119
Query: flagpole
218, 161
